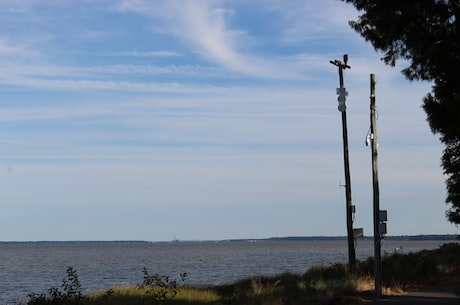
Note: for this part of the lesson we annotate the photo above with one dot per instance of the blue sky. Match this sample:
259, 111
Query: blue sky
202, 120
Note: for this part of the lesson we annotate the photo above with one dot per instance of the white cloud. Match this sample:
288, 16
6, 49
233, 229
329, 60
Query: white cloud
11, 49
144, 54
205, 26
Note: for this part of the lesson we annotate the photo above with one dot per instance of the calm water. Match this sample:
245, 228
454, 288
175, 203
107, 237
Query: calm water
26, 268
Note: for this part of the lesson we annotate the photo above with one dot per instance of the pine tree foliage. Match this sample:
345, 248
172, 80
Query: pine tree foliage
427, 35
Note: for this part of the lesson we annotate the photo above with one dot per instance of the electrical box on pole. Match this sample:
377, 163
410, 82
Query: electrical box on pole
383, 216
382, 223
358, 232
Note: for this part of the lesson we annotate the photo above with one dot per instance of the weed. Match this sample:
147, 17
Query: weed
160, 287
69, 295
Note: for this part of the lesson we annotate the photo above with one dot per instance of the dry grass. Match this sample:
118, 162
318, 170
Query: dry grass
367, 284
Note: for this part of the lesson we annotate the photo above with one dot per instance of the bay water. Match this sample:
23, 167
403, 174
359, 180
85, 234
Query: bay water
36, 267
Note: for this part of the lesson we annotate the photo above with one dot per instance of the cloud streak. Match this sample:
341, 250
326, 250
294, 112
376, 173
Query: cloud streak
205, 27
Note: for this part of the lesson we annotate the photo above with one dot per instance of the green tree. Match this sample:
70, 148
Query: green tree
426, 33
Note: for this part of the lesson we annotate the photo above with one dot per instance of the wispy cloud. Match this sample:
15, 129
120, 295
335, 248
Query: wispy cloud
144, 54
208, 31
206, 27
14, 49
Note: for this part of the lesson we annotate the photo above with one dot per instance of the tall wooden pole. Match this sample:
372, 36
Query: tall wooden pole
376, 193
341, 91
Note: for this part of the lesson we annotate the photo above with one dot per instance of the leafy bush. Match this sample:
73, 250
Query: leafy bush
160, 287
421, 266
70, 294
333, 272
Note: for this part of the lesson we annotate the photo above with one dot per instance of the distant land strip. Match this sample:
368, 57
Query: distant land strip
422, 237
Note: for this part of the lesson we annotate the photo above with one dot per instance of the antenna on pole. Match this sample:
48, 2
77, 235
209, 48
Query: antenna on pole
350, 209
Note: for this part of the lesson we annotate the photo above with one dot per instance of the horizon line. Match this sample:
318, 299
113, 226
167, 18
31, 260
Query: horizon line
274, 238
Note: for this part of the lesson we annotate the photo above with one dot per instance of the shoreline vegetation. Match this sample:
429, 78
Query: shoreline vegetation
328, 284
440, 237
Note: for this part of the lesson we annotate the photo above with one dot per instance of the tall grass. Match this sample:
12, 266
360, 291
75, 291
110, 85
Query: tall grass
136, 295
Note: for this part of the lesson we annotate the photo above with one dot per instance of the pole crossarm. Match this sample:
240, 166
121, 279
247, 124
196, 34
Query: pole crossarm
340, 64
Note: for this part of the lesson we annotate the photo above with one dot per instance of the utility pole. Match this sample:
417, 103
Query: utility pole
379, 216
342, 93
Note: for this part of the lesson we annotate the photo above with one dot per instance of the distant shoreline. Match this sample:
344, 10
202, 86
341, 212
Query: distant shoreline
422, 237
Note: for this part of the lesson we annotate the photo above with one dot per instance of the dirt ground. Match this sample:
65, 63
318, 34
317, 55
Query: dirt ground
446, 291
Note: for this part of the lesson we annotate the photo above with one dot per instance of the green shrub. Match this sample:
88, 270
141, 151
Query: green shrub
160, 287
70, 294
423, 266
332, 272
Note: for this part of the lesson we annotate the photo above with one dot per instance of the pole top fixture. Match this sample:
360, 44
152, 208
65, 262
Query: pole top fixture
341, 64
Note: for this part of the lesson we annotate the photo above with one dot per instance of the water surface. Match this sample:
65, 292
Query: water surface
35, 267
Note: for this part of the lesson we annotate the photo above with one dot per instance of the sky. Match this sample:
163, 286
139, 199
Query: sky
203, 120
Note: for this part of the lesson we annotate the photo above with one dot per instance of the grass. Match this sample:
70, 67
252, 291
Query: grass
282, 289
331, 284
137, 295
